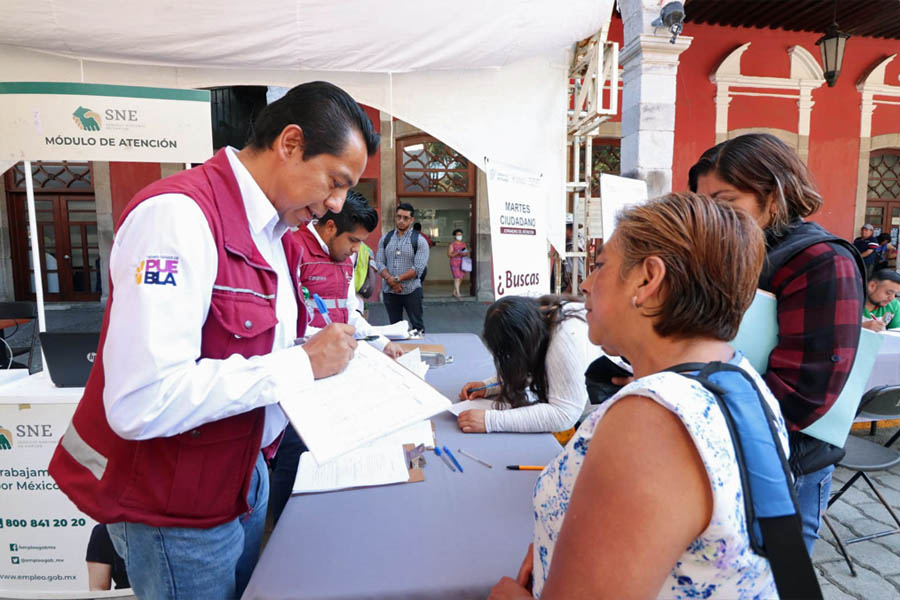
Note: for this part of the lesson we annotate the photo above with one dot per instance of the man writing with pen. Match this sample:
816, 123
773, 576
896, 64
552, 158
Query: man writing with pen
326, 273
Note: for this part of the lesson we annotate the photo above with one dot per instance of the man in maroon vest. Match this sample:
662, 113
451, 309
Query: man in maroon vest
329, 245
197, 348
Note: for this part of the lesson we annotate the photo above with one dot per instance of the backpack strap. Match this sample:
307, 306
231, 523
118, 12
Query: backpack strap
770, 504
387, 238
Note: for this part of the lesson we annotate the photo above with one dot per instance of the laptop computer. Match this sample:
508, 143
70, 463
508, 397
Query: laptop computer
69, 357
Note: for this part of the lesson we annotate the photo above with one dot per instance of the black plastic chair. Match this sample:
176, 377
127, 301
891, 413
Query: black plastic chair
863, 456
20, 310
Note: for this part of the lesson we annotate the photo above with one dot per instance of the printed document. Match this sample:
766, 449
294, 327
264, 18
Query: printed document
373, 397
379, 464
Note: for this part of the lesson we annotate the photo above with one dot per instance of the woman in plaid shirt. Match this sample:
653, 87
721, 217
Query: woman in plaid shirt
817, 280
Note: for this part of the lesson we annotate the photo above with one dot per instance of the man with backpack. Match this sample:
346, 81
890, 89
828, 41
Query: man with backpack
401, 260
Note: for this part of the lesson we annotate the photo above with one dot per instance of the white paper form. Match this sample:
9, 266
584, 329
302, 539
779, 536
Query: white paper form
459, 407
380, 464
418, 433
395, 331
412, 360
372, 397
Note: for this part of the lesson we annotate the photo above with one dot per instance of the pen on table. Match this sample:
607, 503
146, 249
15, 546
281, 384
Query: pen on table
444, 458
368, 338
323, 310
524, 468
453, 458
483, 387
475, 458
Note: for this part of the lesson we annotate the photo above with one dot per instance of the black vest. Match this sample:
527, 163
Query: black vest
799, 236
807, 453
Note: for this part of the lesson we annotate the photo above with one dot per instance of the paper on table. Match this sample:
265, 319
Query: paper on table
470, 405
413, 361
418, 433
395, 331
374, 396
380, 464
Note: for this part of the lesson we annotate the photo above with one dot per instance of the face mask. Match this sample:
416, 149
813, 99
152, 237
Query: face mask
459, 238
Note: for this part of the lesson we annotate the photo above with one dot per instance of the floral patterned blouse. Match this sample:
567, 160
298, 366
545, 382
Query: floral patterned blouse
719, 563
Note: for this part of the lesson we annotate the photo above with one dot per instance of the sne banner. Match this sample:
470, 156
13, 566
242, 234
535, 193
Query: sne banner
43, 537
84, 121
517, 203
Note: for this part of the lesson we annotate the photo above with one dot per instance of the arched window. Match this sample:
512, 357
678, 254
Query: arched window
428, 167
54, 176
884, 175
883, 192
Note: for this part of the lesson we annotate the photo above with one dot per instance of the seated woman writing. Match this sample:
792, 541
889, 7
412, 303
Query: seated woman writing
541, 351
646, 499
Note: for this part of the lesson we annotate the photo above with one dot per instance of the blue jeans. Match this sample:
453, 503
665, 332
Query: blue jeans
813, 490
187, 563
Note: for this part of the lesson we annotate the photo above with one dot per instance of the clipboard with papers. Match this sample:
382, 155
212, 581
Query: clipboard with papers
372, 398
387, 461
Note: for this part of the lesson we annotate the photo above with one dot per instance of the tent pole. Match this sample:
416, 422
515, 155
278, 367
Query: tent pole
35, 248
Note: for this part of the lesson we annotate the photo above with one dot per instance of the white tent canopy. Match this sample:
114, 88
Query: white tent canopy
487, 78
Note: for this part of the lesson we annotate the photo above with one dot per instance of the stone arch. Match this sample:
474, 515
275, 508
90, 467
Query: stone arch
806, 75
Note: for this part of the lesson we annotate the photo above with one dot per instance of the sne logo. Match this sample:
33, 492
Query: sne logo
86, 119
6, 439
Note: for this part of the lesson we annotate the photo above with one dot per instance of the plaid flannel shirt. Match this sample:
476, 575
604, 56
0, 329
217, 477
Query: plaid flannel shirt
820, 301
398, 257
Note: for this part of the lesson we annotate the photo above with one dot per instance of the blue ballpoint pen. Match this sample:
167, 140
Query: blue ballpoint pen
453, 458
444, 458
482, 388
323, 310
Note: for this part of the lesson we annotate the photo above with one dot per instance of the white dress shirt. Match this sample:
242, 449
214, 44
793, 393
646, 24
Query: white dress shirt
354, 316
156, 383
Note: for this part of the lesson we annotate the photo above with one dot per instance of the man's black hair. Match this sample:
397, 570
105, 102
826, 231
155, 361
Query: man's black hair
883, 237
886, 275
356, 212
324, 112
407, 207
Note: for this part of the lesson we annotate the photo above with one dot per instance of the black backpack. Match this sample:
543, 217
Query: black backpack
415, 246
390, 234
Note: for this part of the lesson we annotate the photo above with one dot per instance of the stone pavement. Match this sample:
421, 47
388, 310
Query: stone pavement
856, 513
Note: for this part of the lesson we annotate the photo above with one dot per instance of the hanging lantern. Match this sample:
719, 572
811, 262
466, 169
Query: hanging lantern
831, 45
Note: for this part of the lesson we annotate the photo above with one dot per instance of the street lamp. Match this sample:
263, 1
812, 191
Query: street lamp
831, 45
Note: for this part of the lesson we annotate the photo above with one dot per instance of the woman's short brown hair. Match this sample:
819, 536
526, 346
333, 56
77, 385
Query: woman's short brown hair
763, 165
713, 254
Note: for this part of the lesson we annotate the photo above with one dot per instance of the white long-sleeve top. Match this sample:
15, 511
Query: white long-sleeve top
354, 316
568, 356
156, 383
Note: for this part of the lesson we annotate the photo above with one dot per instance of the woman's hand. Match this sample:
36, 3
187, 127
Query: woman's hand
465, 394
508, 589
471, 421
524, 576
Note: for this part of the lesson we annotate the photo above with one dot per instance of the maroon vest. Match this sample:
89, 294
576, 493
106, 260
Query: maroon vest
323, 276
199, 478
